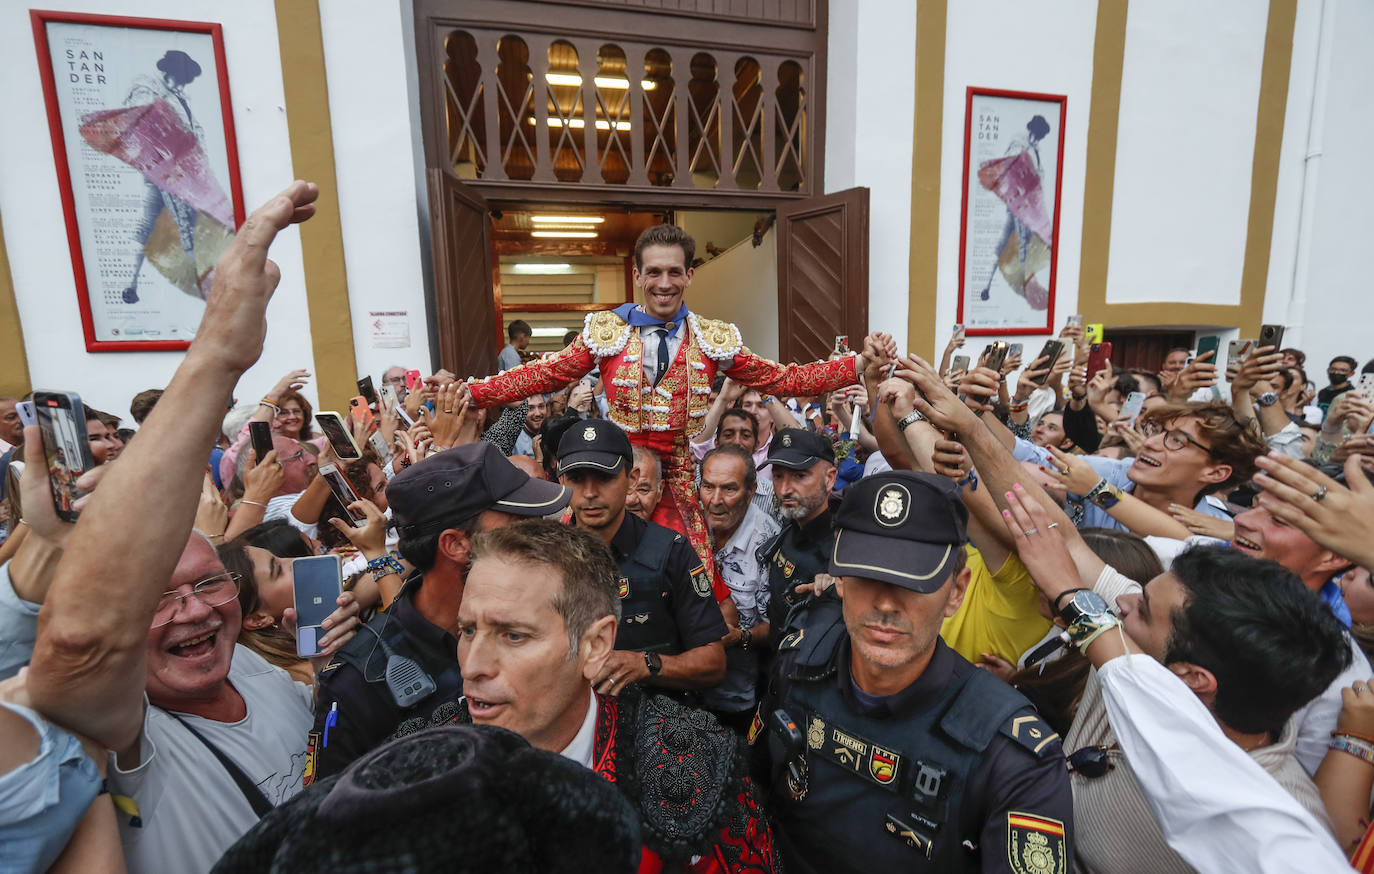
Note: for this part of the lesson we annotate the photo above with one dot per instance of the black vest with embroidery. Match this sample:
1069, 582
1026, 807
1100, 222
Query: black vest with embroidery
646, 606
874, 794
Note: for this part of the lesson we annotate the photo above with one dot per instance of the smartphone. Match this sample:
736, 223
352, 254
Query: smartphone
1098, 357
389, 398
316, 582
414, 380
332, 424
1210, 343
1050, 352
366, 391
841, 344
1075, 320
361, 410
1135, 402
1238, 350
343, 492
1014, 350
26, 415
958, 326
1365, 386
261, 435
379, 446
1093, 333
66, 449
960, 363
995, 355
1271, 335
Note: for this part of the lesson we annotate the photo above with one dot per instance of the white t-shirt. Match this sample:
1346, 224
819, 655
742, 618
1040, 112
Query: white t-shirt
191, 809
18, 627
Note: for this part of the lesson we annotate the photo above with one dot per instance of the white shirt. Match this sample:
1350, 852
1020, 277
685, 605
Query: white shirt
648, 335
581, 746
1218, 808
746, 578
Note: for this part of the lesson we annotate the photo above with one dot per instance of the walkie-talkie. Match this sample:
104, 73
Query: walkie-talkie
408, 683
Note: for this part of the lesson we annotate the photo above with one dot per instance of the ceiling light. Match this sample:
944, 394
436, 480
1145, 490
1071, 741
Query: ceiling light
565, 235
581, 124
569, 219
549, 332
619, 82
541, 269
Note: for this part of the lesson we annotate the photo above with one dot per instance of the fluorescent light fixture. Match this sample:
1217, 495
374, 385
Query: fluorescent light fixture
568, 219
619, 82
541, 269
548, 332
565, 235
581, 124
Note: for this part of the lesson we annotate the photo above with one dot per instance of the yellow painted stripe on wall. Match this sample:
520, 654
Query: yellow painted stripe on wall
14, 362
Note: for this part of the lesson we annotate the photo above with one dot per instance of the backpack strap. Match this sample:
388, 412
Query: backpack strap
251, 793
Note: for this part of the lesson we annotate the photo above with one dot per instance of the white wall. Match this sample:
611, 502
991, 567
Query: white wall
980, 54
35, 231
869, 116
1185, 150
364, 46
741, 286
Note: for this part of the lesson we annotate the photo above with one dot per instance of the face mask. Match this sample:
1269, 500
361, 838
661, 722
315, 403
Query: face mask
1337, 378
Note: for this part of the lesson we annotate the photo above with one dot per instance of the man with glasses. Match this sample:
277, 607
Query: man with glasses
137, 645
1192, 451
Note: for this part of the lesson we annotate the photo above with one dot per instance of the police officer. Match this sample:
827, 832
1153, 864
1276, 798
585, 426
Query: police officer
399, 673
803, 475
671, 625
885, 749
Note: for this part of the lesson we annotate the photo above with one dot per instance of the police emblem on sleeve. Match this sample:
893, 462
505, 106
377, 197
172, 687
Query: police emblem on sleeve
1035, 844
589, 434
892, 506
624, 587
312, 752
701, 582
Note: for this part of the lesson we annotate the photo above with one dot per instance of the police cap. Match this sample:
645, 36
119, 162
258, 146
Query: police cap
900, 527
596, 445
799, 449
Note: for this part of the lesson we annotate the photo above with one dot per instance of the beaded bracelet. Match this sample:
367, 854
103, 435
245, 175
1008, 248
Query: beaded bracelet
1357, 748
266, 403
385, 565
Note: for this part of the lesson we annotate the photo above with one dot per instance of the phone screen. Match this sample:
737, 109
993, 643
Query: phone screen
1075, 320
66, 448
841, 343
343, 492
316, 583
334, 430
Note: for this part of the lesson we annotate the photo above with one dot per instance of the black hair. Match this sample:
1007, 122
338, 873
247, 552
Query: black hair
179, 66
422, 550
569, 337
278, 537
738, 413
1127, 383
518, 328
1345, 359
1271, 643
551, 433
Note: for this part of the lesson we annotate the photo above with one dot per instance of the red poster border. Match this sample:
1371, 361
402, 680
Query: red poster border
40, 19
1063, 101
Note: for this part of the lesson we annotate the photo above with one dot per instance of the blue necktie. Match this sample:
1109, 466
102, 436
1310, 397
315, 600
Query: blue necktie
662, 367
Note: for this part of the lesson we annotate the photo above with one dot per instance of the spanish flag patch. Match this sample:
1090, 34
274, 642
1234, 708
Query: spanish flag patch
1035, 844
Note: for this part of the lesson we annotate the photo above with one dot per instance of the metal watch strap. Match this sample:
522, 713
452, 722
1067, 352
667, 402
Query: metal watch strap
908, 419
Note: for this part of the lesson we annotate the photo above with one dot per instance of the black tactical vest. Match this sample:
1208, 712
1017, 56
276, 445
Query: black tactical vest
866, 793
646, 606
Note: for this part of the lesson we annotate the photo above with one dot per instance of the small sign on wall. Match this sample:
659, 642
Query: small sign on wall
389, 329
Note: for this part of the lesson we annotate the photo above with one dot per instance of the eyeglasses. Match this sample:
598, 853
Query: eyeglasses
290, 414
1091, 762
213, 592
1174, 439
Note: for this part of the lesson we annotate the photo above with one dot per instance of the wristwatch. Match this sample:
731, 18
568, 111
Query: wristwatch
1268, 399
653, 662
1104, 494
1086, 615
746, 639
908, 419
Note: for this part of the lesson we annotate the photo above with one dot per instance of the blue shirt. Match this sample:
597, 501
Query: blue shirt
1332, 596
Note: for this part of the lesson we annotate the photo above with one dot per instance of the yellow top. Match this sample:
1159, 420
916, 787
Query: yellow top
1000, 614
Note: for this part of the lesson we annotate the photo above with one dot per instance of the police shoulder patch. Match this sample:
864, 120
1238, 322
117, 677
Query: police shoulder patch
312, 752
701, 581
1031, 732
1035, 844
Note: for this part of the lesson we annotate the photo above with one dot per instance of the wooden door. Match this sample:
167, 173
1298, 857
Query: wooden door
464, 306
822, 274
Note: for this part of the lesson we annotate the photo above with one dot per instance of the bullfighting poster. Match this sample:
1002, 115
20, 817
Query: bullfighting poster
143, 139
1008, 239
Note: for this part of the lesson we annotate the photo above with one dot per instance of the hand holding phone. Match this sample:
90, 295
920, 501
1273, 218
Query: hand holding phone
1050, 352
343, 492
1098, 357
361, 411
316, 582
1135, 402
340, 439
66, 448
261, 435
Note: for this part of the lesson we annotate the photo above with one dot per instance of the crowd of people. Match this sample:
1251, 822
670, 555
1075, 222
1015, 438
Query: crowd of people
656, 603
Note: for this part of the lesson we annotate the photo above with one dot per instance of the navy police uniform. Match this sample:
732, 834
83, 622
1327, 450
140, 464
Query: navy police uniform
355, 710
666, 601
667, 605
955, 772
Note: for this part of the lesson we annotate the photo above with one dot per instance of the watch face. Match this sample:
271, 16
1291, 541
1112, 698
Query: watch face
1089, 602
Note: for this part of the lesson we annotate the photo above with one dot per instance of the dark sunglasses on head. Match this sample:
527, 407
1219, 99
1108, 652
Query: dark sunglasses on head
1091, 762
